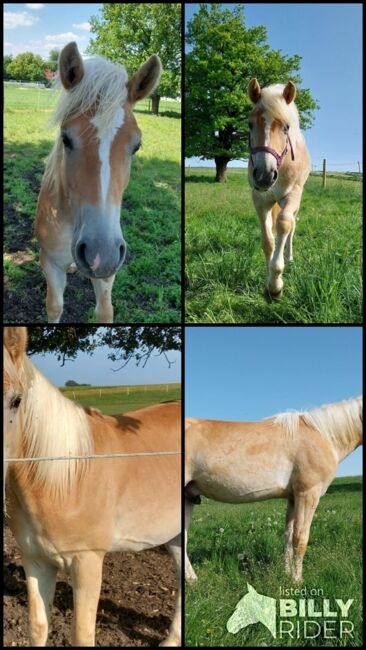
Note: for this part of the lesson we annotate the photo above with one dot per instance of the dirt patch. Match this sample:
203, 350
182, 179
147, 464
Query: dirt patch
136, 605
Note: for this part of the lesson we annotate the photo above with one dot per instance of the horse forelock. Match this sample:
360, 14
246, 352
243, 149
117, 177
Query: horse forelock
274, 105
101, 91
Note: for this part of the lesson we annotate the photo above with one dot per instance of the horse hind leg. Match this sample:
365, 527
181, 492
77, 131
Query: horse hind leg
189, 573
174, 639
305, 506
289, 533
275, 211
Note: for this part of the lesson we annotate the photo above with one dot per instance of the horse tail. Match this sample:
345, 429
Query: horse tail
275, 210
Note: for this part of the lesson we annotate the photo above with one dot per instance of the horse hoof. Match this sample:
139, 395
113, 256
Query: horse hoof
276, 295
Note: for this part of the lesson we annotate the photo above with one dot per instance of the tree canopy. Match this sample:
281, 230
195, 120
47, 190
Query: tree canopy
225, 55
26, 67
128, 33
126, 343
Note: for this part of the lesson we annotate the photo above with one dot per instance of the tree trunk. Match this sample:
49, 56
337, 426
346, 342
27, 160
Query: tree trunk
221, 165
155, 99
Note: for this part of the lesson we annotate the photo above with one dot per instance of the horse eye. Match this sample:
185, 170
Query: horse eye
15, 402
250, 125
67, 141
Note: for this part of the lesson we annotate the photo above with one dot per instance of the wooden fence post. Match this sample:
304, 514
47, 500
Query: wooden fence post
324, 173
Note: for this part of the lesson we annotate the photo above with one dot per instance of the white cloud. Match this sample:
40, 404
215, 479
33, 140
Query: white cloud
85, 26
59, 40
43, 46
18, 19
34, 6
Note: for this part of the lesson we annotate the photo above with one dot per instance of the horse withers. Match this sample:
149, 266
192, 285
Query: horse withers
66, 514
293, 456
278, 168
79, 204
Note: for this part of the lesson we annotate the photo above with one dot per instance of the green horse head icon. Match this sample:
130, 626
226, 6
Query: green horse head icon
253, 608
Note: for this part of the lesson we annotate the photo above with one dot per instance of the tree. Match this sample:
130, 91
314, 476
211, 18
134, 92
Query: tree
8, 58
129, 33
225, 56
126, 343
27, 67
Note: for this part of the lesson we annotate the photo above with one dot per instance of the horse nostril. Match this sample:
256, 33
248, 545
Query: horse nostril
81, 254
122, 252
275, 174
255, 173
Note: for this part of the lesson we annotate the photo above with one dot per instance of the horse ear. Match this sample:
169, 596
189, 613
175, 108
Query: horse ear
289, 92
15, 341
71, 66
250, 589
254, 90
144, 80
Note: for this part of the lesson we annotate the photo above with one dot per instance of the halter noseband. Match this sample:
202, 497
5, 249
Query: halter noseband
279, 157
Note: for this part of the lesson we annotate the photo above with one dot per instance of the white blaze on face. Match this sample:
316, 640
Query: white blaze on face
105, 142
267, 131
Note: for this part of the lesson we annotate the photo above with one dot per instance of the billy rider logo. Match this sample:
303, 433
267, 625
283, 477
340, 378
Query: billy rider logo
297, 617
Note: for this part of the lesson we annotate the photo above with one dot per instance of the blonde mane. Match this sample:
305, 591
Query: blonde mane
52, 426
338, 421
103, 90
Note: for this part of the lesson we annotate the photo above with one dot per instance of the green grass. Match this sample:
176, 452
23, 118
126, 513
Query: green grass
148, 286
249, 548
225, 267
113, 400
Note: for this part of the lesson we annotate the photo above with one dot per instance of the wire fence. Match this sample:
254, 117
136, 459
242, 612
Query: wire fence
93, 456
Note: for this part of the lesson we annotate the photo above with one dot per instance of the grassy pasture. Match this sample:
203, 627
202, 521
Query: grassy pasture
225, 267
147, 289
114, 400
232, 545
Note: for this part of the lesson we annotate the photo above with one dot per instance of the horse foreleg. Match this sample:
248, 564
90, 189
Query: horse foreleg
190, 575
288, 246
268, 241
305, 506
289, 532
41, 583
175, 633
56, 282
103, 294
284, 225
86, 577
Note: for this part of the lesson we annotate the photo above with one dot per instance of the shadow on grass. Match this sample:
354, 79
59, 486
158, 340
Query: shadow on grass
194, 178
25, 286
345, 487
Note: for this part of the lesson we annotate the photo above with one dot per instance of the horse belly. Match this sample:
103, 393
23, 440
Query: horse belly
240, 484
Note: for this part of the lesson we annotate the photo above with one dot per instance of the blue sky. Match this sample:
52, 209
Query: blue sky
39, 28
98, 370
329, 38
249, 373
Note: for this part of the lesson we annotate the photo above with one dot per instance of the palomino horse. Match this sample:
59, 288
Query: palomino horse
277, 179
79, 205
291, 455
66, 514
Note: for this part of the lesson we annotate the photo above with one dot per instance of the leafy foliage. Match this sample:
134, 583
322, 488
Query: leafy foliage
129, 33
26, 67
225, 56
127, 343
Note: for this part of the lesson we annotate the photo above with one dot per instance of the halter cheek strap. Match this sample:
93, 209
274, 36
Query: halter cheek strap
279, 157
